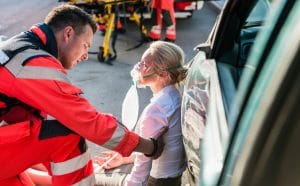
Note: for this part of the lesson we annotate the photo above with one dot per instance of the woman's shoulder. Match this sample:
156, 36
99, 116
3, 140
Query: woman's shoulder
169, 98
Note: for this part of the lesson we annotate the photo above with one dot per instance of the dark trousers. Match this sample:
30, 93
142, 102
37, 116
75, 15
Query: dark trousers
164, 181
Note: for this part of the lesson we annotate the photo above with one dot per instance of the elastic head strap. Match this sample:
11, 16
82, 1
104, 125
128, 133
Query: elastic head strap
168, 69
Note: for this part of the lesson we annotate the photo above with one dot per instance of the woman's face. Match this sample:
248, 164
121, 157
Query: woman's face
146, 68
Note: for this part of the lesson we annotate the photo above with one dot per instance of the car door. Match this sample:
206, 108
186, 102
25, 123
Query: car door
211, 86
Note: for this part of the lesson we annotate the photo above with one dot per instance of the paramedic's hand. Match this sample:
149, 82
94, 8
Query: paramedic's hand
153, 147
159, 143
109, 163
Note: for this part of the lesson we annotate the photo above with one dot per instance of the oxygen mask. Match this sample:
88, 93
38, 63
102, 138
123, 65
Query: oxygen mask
136, 76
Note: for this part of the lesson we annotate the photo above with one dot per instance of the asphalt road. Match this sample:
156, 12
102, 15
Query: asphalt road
106, 85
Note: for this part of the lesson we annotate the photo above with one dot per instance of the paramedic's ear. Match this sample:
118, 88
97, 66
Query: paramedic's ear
67, 32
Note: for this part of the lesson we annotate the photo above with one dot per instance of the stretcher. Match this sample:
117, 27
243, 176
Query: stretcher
107, 14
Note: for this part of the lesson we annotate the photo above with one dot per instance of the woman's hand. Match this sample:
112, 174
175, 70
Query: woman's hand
109, 163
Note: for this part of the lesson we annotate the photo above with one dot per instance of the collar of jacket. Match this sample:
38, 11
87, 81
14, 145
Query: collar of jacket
46, 37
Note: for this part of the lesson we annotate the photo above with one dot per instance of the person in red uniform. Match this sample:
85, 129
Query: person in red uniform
43, 118
163, 12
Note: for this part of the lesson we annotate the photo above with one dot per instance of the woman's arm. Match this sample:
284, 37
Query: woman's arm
151, 123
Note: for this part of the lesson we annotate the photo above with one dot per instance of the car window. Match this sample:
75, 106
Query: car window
233, 45
258, 13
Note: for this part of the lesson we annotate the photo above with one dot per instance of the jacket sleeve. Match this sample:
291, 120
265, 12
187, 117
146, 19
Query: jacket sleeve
62, 101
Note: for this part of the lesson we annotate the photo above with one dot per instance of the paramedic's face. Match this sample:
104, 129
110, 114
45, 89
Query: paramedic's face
75, 46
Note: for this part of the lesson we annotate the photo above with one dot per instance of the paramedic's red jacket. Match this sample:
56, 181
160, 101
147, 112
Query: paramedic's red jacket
62, 101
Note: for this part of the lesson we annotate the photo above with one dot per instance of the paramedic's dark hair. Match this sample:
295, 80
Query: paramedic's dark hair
69, 15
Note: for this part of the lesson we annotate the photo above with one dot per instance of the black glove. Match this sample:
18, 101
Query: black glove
158, 144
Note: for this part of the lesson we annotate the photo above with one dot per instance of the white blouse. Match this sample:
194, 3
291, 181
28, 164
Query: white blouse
163, 110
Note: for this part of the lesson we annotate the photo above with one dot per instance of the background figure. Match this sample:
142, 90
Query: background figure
161, 69
163, 13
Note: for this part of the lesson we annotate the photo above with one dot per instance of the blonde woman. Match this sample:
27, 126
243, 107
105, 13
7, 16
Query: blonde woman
160, 68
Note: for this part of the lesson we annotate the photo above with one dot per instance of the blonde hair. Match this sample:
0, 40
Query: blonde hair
170, 57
